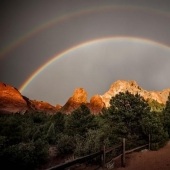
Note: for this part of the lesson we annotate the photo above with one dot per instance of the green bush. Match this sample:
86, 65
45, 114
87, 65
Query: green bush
151, 124
90, 143
65, 144
25, 156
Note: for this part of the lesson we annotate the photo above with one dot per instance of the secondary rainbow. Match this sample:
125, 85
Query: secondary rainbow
10, 47
135, 39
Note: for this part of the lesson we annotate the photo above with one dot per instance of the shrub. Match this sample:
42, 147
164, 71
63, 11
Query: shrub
25, 156
65, 144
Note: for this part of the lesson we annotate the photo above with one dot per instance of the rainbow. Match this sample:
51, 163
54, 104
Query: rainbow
71, 15
119, 38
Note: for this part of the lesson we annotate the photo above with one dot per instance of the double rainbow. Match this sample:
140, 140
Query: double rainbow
69, 16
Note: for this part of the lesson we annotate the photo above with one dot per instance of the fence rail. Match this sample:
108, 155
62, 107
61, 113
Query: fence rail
76, 161
113, 147
132, 150
102, 153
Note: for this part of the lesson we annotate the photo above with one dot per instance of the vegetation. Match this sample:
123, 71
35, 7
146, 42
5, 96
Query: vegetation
166, 116
25, 139
155, 106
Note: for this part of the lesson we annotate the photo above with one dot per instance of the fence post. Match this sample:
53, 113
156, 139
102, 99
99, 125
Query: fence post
103, 156
149, 141
123, 153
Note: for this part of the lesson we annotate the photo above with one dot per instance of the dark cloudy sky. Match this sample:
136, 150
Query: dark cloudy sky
93, 43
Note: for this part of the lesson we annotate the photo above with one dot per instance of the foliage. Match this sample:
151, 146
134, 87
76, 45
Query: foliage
156, 106
129, 116
124, 114
24, 155
22, 140
89, 144
166, 116
80, 121
25, 139
51, 134
65, 144
59, 122
151, 124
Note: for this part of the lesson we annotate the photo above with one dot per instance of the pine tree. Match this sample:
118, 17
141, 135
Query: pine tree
125, 111
80, 121
51, 136
166, 115
59, 122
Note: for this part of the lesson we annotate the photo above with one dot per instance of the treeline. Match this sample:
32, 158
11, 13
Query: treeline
25, 139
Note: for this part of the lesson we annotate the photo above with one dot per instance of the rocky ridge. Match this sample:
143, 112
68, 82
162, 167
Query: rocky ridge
80, 96
12, 101
134, 88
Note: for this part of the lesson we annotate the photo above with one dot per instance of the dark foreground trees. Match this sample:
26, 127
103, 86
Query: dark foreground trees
25, 139
166, 116
22, 142
129, 116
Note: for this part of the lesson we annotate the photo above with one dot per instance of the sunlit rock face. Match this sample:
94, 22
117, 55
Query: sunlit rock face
134, 88
79, 97
58, 107
44, 107
96, 104
11, 100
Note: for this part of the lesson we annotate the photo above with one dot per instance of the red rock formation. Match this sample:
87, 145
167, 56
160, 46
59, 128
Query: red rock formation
96, 104
58, 107
11, 100
44, 107
79, 96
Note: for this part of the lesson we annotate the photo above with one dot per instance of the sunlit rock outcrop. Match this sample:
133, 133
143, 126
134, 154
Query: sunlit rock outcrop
79, 96
58, 107
96, 104
134, 88
43, 107
11, 100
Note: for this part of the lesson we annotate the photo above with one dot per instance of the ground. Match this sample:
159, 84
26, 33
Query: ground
146, 160
149, 160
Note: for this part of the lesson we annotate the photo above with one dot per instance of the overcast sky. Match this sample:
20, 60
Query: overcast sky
94, 43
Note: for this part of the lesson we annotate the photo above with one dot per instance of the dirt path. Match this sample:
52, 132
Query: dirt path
149, 160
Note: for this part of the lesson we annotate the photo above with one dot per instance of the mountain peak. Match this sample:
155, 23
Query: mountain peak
79, 96
134, 88
12, 101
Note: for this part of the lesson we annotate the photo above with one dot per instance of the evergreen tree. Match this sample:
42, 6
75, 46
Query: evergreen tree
166, 115
152, 124
125, 112
80, 121
51, 136
59, 122
156, 106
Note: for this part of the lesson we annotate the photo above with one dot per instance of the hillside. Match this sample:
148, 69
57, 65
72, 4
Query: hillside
12, 101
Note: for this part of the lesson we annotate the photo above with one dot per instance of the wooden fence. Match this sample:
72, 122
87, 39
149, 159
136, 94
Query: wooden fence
102, 153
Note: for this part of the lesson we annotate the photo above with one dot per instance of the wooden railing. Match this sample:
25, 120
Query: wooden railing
102, 154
